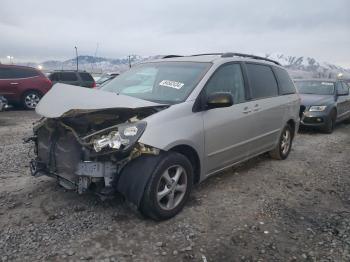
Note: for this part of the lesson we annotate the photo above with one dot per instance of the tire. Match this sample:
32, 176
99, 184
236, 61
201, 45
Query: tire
284, 145
329, 125
156, 201
30, 99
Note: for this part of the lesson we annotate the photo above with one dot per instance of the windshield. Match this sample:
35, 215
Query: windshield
162, 82
315, 87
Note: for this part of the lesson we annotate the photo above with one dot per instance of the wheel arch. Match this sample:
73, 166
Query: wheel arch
335, 110
191, 154
26, 91
292, 124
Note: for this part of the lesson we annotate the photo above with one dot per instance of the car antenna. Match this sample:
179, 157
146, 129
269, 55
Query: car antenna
129, 61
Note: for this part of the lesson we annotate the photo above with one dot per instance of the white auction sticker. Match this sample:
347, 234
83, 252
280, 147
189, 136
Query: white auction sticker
172, 84
327, 83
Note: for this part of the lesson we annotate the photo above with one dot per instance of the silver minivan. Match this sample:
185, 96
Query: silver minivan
165, 125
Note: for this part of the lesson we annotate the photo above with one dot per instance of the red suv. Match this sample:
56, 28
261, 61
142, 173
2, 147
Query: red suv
22, 85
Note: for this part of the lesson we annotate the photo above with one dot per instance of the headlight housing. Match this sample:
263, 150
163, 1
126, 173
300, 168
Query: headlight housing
317, 108
125, 137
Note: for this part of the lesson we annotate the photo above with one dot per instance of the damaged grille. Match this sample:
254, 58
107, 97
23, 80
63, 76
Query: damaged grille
59, 151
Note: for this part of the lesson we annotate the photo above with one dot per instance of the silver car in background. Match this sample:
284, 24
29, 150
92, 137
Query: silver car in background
165, 125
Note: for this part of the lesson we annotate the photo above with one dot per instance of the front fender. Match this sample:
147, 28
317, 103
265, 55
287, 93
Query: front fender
132, 180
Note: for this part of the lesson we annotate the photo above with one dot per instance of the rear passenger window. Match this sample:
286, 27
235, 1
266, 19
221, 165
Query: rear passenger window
228, 78
5, 73
13, 73
68, 77
285, 83
86, 77
23, 73
262, 81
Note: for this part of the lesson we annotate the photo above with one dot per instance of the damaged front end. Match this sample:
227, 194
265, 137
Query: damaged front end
89, 150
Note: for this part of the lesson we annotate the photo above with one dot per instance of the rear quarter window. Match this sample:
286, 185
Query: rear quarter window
86, 77
285, 84
68, 76
54, 77
262, 81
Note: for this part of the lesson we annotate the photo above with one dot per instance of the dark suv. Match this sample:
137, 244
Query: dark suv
76, 78
323, 102
22, 85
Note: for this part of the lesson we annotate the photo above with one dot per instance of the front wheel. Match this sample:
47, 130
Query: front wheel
31, 99
284, 145
330, 123
168, 187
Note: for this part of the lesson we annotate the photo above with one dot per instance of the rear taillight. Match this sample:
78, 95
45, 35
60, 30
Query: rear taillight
94, 84
48, 81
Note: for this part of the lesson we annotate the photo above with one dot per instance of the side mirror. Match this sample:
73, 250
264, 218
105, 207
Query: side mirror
219, 99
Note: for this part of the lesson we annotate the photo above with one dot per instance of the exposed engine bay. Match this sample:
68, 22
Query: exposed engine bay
88, 150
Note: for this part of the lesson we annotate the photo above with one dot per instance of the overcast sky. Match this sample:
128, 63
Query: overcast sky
37, 30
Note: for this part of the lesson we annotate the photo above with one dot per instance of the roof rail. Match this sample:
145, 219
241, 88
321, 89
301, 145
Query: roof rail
229, 54
171, 56
208, 54
250, 56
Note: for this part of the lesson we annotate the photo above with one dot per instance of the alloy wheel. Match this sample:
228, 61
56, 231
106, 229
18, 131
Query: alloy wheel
31, 100
286, 141
172, 187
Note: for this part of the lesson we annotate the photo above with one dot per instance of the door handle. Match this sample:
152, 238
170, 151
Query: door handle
14, 83
256, 108
247, 110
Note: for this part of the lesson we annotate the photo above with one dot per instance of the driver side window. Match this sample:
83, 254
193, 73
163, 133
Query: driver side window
342, 88
227, 78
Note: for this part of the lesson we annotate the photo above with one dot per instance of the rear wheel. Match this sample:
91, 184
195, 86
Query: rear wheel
168, 187
284, 145
31, 99
330, 123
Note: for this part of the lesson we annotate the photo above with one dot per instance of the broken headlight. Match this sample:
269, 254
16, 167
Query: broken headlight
124, 138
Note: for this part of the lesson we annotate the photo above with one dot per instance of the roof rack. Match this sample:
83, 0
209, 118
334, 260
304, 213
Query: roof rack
250, 56
229, 54
69, 70
171, 56
208, 54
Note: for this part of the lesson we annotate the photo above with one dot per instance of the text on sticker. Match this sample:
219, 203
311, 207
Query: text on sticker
172, 84
327, 83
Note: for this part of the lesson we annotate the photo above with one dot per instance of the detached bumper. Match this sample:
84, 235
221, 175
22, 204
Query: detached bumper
315, 119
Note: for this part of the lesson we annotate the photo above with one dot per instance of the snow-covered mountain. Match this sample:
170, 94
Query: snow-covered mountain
308, 67
298, 67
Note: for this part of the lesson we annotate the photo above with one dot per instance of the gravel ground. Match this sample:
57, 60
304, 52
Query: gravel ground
262, 210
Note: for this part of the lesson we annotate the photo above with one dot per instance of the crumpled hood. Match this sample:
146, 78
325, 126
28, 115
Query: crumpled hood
63, 98
316, 100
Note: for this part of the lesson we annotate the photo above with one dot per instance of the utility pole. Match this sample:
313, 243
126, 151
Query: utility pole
76, 53
129, 61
